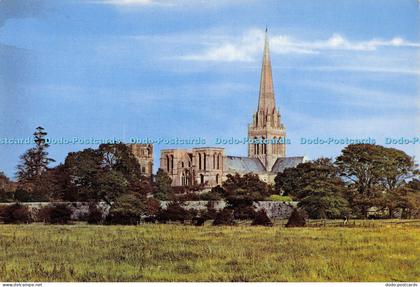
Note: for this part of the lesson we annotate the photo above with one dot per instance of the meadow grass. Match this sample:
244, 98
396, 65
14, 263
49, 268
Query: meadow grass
36, 252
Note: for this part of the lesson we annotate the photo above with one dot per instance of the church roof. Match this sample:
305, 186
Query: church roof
243, 164
286, 162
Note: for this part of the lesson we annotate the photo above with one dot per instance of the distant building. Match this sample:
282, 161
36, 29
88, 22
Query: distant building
266, 150
144, 155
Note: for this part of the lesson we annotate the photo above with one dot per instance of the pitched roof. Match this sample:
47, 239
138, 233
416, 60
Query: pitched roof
243, 164
286, 162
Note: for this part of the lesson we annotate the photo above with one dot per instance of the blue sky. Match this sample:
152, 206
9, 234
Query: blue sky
186, 68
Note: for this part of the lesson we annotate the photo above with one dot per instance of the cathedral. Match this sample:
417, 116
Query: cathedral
266, 149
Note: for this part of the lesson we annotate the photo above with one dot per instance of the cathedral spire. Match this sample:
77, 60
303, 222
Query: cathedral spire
266, 100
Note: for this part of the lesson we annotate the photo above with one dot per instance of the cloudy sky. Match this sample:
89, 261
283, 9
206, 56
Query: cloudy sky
190, 68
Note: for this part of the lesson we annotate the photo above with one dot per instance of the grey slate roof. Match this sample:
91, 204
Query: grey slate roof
285, 162
243, 164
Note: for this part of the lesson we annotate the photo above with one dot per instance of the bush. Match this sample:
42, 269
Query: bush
22, 195
95, 215
122, 217
43, 214
152, 207
150, 219
6, 196
216, 193
162, 216
211, 212
127, 210
55, 214
261, 218
296, 219
199, 220
224, 217
15, 214
244, 212
174, 212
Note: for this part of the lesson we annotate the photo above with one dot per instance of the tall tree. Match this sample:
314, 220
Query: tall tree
374, 175
244, 189
163, 186
240, 192
119, 158
83, 171
104, 174
317, 186
34, 161
4, 180
6, 191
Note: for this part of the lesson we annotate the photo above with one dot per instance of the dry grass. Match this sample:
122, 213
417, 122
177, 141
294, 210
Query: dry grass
383, 252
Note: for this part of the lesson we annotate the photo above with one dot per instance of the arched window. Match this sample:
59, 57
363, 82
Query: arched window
201, 178
214, 161
218, 161
172, 162
199, 161
183, 179
217, 179
167, 163
205, 161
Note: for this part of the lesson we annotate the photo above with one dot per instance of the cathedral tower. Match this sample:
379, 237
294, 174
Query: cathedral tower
266, 131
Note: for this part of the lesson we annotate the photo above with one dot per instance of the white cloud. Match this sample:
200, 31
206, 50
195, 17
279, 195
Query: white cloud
247, 47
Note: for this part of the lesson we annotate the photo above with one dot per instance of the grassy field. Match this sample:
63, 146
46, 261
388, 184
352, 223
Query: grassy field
386, 251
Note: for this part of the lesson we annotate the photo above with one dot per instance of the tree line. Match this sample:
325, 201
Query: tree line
364, 180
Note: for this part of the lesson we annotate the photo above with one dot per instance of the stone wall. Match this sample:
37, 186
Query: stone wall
274, 209
80, 210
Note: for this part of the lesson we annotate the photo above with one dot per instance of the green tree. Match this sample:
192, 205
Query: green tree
318, 188
6, 191
247, 188
405, 198
285, 183
374, 175
240, 192
127, 209
4, 180
119, 158
104, 174
34, 161
163, 186
83, 170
